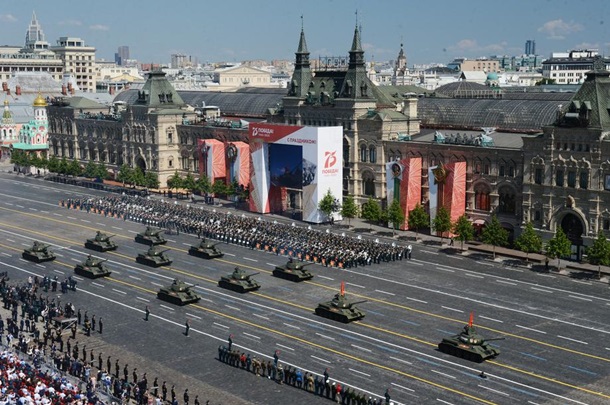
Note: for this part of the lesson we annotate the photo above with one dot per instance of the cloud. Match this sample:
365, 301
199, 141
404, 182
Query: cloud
99, 27
71, 23
558, 29
7, 18
471, 45
586, 45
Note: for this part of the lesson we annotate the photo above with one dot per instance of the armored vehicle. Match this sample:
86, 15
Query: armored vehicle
340, 308
293, 270
151, 236
101, 242
178, 293
92, 268
39, 252
206, 250
154, 257
239, 281
469, 345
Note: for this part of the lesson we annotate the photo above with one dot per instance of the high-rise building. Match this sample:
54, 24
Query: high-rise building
34, 37
530, 47
122, 55
79, 61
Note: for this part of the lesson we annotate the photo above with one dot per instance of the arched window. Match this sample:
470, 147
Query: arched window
481, 197
506, 200
372, 154
346, 151
368, 180
363, 153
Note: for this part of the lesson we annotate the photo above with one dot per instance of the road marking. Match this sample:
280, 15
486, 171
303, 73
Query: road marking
221, 326
452, 309
5, 254
20, 206
505, 282
84, 220
234, 308
186, 244
356, 285
7, 203
473, 275
443, 374
582, 282
119, 291
385, 292
292, 326
157, 284
192, 316
326, 278
10, 240
58, 271
100, 224
447, 270
130, 231
117, 227
317, 358
580, 298
33, 209
97, 284
485, 263
251, 335
496, 391
142, 299
404, 388
247, 258
359, 372
285, 347
491, 319
261, 316
42, 266
171, 240
416, 300
429, 252
573, 340
325, 336
401, 360
75, 260
78, 278
166, 307
361, 348
533, 330
206, 299
57, 215
582, 370
71, 218
416, 263
229, 254
135, 278
541, 289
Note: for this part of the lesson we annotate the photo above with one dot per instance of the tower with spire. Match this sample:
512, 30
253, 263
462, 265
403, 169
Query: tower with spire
301, 78
34, 37
400, 68
356, 84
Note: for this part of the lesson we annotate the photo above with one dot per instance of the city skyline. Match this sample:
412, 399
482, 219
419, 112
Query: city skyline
233, 31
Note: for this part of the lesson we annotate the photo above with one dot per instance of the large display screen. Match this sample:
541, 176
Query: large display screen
286, 165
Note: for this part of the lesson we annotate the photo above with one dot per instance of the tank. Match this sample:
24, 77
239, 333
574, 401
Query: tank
154, 258
178, 293
39, 252
92, 268
151, 236
469, 345
101, 242
340, 308
206, 250
239, 281
293, 270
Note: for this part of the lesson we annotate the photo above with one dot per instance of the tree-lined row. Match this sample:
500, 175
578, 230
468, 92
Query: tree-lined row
203, 185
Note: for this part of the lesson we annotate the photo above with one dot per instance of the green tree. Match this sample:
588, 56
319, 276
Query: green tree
74, 168
559, 246
599, 252
371, 211
53, 164
349, 209
493, 234
35, 161
418, 218
151, 179
203, 184
529, 241
19, 158
219, 188
125, 174
101, 171
328, 205
463, 230
138, 176
63, 166
189, 183
175, 181
90, 169
442, 222
395, 215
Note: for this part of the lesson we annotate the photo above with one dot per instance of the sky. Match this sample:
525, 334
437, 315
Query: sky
236, 30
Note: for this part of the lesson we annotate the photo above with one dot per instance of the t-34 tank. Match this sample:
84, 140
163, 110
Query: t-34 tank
340, 308
293, 270
151, 236
239, 281
206, 250
101, 242
154, 258
469, 345
39, 252
178, 293
92, 268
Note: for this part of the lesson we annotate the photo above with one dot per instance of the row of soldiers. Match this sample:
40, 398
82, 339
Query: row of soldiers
306, 243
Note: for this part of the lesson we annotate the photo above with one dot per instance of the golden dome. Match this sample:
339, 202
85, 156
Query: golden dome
40, 101
5, 102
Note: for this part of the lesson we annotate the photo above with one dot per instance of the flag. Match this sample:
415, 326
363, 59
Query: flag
470, 322
342, 288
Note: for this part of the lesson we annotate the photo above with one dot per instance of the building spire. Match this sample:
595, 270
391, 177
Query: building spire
301, 77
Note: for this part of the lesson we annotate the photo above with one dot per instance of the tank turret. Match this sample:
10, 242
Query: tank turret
340, 308
101, 242
239, 281
92, 267
293, 270
151, 236
469, 345
154, 257
178, 293
205, 250
39, 252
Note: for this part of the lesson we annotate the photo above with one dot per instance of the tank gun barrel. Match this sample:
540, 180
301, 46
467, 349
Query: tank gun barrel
111, 236
358, 302
492, 339
253, 274
163, 251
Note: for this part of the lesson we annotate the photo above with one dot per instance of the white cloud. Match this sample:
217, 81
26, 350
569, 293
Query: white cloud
99, 27
586, 45
471, 45
7, 18
71, 23
558, 29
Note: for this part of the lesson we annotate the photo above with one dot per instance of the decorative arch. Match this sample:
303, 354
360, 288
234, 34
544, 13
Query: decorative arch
368, 183
482, 200
559, 215
507, 196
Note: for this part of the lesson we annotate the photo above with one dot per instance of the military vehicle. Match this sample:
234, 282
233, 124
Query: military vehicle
206, 250
92, 268
39, 252
178, 293
239, 281
154, 257
101, 242
151, 236
293, 270
469, 345
340, 308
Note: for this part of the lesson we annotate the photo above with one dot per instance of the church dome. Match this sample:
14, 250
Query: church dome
492, 76
40, 101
